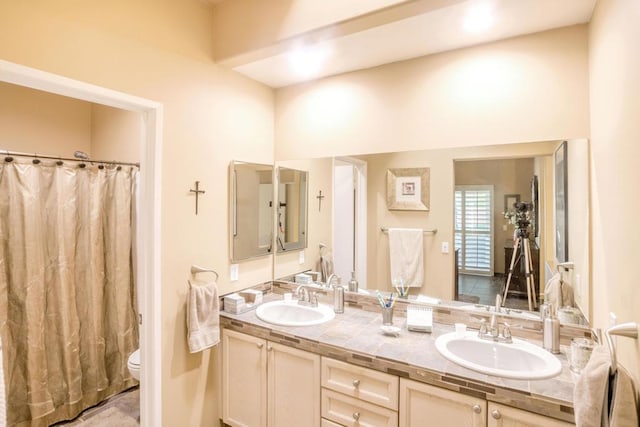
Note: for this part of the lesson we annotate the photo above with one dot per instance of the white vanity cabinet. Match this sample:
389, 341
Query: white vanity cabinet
358, 396
506, 416
268, 384
422, 404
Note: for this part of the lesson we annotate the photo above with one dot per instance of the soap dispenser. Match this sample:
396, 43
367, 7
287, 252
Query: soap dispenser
551, 331
353, 283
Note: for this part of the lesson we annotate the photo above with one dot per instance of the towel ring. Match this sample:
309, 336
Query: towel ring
629, 330
195, 269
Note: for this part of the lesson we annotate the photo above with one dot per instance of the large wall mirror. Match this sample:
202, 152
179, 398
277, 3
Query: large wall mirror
515, 172
291, 209
250, 210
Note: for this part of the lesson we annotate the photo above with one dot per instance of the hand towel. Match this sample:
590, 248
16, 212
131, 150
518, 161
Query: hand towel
406, 255
624, 403
591, 392
203, 316
558, 293
325, 264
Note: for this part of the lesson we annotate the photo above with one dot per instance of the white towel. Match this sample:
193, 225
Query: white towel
592, 403
591, 392
325, 264
558, 293
624, 405
203, 316
406, 256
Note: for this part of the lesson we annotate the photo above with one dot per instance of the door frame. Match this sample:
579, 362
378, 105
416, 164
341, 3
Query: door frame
149, 231
360, 216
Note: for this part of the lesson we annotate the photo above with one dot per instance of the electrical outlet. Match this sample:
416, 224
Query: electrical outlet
444, 248
613, 319
301, 257
234, 272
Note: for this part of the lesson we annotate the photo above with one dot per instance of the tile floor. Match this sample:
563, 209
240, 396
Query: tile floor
485, 289
121, 410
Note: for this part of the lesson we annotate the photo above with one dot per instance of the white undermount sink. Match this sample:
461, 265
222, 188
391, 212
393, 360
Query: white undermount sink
290, 313
518, 360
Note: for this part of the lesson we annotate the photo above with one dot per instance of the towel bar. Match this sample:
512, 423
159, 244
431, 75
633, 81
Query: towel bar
197, 269
434, 231
629, 330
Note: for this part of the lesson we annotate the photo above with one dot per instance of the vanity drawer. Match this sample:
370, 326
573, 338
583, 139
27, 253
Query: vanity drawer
361, 383
348, 411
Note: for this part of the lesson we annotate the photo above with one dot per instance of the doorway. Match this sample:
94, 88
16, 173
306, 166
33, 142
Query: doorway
148, 249
350, 219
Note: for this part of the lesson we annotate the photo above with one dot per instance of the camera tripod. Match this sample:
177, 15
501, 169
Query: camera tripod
522, 243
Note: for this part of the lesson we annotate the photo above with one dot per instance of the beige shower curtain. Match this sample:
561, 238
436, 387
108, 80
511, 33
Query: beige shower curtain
67, 296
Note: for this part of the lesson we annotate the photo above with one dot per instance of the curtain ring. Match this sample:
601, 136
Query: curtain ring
100, 167
36, 160
119, 168
8, 159
82, 165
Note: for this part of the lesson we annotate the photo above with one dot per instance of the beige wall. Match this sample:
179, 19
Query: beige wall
161, 50
614, 67
115, 134
508, 176
36, 122
530, 88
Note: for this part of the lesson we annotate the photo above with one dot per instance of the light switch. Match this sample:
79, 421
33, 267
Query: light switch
444, 247
234, 272
301, 257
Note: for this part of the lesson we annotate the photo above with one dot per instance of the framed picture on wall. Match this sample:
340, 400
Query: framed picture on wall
510, 200
408, 189
561, 212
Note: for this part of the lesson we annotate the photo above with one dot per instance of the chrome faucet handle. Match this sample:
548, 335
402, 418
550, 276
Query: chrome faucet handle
506, 330
313, 299
483, 326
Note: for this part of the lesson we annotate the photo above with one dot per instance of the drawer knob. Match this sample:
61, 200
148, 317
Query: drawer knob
356, 416
269, 348
496, 414
260, 345
356, 383
477, 408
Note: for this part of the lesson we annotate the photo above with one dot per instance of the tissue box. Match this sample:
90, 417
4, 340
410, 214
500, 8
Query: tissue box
234, 303
252, 297
303, 278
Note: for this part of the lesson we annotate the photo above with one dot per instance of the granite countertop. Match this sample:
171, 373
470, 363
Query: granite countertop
355, 337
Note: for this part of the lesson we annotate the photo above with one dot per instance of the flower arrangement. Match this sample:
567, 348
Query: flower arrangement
512, 217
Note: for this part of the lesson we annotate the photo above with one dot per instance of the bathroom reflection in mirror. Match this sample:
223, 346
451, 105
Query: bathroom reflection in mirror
291, 209
439, 265
251, 211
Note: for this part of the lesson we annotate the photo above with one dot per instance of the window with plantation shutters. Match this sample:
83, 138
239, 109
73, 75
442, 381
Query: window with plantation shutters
474, 228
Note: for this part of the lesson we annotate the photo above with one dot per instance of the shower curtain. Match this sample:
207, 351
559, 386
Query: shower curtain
67, 297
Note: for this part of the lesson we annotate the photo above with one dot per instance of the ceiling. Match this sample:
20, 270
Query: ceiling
439, 29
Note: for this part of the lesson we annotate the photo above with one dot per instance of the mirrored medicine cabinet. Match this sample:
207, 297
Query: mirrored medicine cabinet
250, 210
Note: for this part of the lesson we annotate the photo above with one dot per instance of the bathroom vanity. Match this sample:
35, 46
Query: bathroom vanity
346, 372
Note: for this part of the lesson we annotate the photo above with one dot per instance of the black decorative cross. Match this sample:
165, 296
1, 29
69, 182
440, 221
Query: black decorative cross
198, 192
319, 197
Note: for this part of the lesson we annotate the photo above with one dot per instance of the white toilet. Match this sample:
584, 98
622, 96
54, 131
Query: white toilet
134, 364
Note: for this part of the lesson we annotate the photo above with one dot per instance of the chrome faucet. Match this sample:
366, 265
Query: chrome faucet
331, 278
304, 298
493, 333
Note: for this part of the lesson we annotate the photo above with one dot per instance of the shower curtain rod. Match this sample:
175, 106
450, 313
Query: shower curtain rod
44, 156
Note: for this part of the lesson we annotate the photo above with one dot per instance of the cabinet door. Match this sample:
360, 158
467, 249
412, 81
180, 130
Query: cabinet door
505, 416
293, 387
425, 405
244, 380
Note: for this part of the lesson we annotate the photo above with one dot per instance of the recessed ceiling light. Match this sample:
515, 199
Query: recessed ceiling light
479, 18
307, 61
